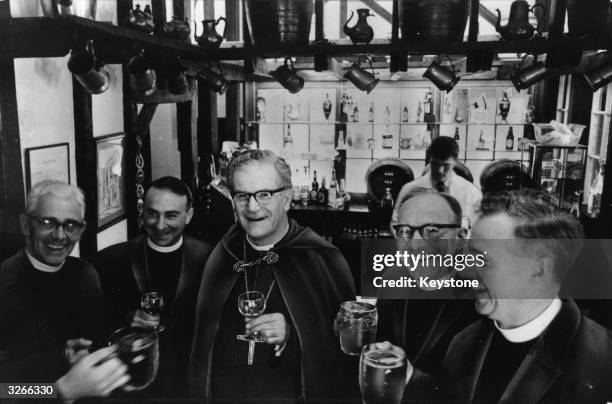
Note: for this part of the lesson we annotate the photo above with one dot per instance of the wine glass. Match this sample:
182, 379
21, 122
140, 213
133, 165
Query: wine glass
152, 303
252, 304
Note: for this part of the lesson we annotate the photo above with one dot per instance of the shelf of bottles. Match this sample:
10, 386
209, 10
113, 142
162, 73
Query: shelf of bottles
559, 170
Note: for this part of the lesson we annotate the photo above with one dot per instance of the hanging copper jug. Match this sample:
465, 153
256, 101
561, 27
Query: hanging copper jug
518, 26
210, 38
361, 32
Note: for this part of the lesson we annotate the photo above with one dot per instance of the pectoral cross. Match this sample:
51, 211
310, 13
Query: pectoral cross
252, 343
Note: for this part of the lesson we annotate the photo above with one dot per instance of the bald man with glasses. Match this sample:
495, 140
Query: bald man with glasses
51, 304
303, 280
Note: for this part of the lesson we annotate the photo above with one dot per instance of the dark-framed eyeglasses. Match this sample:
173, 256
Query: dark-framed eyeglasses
428, 231
262, 197
48, 224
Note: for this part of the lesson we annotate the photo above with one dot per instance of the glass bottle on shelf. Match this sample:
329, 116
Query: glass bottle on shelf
371, 112
323, 193
304, 193
595, 191
387, 114
314, 190
356, 114
510, 139
419, 112
405, 114
327, 106
387, 139
296, 186
332, 192
456, 137
289, 141
481, 141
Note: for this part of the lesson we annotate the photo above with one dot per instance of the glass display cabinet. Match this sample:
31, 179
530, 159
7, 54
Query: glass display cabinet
559, 170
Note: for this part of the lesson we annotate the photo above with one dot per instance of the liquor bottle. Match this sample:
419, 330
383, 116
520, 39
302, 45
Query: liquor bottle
342, 103
387, 114
341, 140
405, 114
419, 112
323, 193
356, 114
371, 112
387, 139
595, 191
481, 141
456, 135
332, 194
327, 106
387, 199
510, 140
304, 193
314, 190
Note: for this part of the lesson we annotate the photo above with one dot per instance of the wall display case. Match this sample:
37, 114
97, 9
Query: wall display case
558, 170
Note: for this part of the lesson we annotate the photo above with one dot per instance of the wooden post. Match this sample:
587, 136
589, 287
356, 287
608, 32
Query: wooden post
85, 154
12, 196
158, 7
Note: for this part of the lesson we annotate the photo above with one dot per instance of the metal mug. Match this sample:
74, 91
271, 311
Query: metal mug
599, 77
357, 324
143, 79
213, 80
363, 80
287, 77
441, 77
528, 76
89, 71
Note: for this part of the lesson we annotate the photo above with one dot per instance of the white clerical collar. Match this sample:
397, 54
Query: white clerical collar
41, 266
165, 250
533, 328
267, 247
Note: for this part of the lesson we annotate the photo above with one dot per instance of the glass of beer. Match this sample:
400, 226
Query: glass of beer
382, 374
138, 348
356, 323
153, 303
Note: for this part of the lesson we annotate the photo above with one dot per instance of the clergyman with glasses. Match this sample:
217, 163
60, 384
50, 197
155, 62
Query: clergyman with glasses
51, 304
424, 323
286, 349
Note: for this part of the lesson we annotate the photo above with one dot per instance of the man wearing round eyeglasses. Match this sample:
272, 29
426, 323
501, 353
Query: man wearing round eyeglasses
424, 323
303, 278
50, 302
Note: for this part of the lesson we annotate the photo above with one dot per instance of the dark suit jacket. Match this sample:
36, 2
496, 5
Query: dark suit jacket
571, 362
124, 277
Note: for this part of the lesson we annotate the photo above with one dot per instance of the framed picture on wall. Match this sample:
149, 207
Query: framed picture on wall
50, 162
110, 164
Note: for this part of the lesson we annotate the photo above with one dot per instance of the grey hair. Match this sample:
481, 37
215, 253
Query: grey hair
56, 188
537, 217
452, 202
261, 157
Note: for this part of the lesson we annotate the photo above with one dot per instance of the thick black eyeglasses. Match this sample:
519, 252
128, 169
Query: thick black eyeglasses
427, 231
262, 197
70, 227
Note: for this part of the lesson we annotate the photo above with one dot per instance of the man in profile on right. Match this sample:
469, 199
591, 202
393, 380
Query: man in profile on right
534, 347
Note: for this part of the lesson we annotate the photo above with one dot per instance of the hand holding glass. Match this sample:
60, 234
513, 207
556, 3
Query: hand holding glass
252, 304
153, 303
383, 373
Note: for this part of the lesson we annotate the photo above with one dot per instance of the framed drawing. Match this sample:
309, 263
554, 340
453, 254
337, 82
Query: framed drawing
110, 164
50, 162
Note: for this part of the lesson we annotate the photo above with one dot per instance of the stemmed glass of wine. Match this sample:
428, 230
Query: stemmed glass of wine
153, 303
251, 304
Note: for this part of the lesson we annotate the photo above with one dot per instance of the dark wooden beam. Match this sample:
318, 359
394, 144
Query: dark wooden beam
144, 119
12, 196
207, 130
178, 8
233, 17
158, 7
85, 154
232, 122
123, 9
186, 120
26, 37
473, 27
342, 21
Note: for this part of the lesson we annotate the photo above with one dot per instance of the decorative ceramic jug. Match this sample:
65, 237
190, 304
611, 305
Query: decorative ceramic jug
361, 32
210, 38
178, 29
